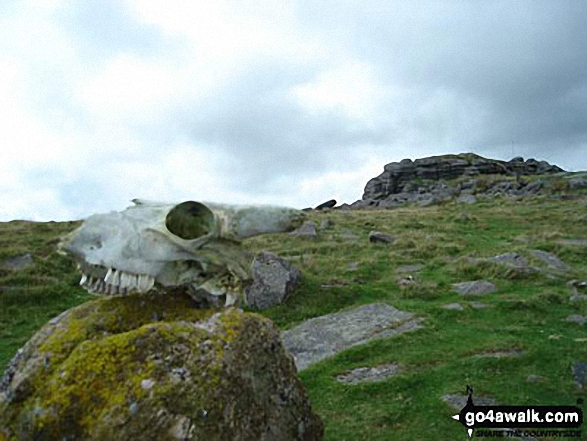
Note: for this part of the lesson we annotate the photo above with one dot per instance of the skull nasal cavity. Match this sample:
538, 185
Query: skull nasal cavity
190, 220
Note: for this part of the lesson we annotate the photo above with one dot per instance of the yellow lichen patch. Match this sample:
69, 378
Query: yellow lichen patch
98, 375
104, 374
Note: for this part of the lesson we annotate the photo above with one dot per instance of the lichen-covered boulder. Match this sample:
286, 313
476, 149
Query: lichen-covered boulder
153, 367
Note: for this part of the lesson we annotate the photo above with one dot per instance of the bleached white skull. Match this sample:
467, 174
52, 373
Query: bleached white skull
192, 246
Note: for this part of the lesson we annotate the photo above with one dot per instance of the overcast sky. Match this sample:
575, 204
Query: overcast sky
280, 102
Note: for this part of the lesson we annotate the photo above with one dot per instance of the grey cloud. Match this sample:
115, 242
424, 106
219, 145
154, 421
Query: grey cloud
523, 62
268, 133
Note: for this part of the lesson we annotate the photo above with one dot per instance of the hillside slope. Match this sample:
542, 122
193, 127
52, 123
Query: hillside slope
515, 345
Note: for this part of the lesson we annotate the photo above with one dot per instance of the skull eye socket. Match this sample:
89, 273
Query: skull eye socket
190, 220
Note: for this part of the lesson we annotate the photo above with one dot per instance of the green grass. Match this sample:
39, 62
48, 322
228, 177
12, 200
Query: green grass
527, 313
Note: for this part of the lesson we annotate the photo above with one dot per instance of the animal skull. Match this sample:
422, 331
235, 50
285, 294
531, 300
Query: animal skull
191, 245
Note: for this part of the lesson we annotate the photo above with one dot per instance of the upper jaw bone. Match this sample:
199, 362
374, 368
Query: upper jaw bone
118, 282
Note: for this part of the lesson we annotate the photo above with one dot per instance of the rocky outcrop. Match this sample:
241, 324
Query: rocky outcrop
432, 180
152, 367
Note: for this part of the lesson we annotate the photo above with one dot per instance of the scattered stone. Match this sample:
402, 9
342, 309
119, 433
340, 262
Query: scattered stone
72, 380
579, 291
551, 260
535, 186
500, 354
576, 318
328, 204
410, 268
578, 286
344, 207
474, 288
579, 370
453, 306
369, 374
326, 224
466, 199
478, 305
405, 281
536, 379
307, 229
379, 237
458, 401
333, 284
578, 182
325, 336
511, 259
572, 241
464, 217
274, 280
18, 263
348, 235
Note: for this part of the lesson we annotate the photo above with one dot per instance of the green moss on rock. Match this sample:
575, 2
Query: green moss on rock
154, 367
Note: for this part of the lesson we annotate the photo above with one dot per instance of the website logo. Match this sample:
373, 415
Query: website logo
520, 418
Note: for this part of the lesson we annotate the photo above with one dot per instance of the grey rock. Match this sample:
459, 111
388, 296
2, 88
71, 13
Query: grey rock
369, 374
535, 186
453, 306
512, 353
579, 370
405, 281
410, 268
326, 224
458, 401
343, 207
328, 204
579, 182
307, 229
379, 237
325, 336
18, 263
551, 260
474, 288
466, 199
348, 235
478, 305
576, 318
536, 379
274, 280
578, 290
510, 259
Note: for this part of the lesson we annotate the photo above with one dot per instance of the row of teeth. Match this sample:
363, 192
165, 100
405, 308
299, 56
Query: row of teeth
117, 283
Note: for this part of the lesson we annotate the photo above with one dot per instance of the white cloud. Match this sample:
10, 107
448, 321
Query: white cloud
352, 87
